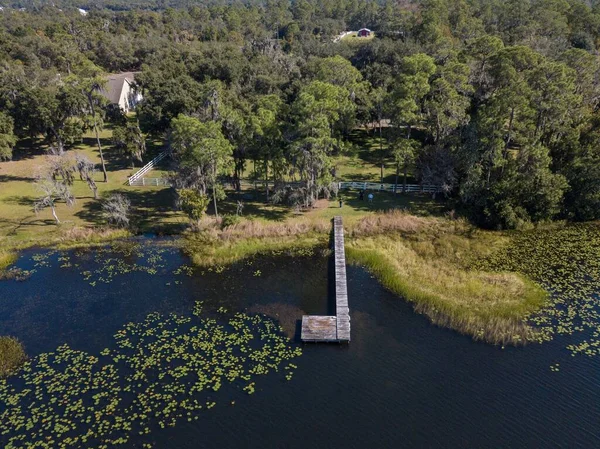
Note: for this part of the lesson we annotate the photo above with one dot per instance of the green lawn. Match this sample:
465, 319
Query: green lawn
154, 206
354, 39
18, 223
365, 161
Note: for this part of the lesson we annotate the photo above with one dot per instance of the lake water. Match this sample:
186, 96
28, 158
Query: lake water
400, 383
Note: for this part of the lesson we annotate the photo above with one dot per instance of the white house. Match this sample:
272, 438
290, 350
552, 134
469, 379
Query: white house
120, 90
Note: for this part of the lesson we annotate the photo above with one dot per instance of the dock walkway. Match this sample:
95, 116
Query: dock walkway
332, 328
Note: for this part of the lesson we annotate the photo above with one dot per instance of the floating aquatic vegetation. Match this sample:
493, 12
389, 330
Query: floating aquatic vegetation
111, 262
184, 269
160, 371
197, 311
42, 259
566, 262
16, 274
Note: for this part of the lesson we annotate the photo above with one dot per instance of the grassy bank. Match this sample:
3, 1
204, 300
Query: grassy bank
489, 307
7, 259
425, 260
214, 246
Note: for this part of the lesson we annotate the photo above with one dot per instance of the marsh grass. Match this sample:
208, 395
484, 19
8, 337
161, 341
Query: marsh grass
488, 307
12, 355
7, 259
427, 261
216, 246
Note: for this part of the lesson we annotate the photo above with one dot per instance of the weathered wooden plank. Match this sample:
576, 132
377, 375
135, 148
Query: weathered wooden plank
341, 289
332, 328
319, 328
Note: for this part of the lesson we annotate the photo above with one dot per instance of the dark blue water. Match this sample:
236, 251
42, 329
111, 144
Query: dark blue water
400, 383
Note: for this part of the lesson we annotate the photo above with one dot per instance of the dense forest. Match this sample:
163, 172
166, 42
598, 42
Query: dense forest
495, 101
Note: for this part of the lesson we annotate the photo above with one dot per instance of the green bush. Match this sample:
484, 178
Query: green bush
12, 355
230, 220
192, 203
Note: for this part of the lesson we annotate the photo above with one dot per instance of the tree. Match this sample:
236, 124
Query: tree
403, 151
412, 85
55, 110
192, 203
60, 167
447, 101
316, 110
266, 131
50, 192
86, 169
91, 88
202, 153
130, 142
407, 105
116, 210
7, 137
340, 72
379, 97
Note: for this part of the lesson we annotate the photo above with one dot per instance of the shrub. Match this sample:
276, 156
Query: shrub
12, 355
229, 220
116, 210
192, 203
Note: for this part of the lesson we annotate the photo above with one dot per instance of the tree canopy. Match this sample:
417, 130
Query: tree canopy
494, 101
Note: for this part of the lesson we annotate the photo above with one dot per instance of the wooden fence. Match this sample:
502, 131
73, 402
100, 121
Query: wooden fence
139, 176
388, 187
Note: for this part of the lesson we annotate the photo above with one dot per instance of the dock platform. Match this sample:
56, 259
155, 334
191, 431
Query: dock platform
319, 328
332, 328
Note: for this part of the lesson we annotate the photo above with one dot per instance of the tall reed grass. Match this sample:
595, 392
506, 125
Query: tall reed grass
488, 306
12, 355
216, 246
7, 258
424, 260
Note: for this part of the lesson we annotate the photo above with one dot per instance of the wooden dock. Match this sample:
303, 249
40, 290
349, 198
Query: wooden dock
332, 328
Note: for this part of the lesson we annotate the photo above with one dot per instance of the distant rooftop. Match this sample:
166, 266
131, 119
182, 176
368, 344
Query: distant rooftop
115, 84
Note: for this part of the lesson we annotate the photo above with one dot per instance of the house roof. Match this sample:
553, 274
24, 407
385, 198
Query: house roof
364, 29
115, 84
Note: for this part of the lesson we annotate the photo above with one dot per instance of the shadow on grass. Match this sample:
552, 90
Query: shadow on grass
254, 203
152, 209
417, 204
12, 178
28, 149
17, 200
16, 225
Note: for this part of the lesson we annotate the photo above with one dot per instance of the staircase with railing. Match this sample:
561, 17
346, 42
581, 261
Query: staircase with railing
138, 178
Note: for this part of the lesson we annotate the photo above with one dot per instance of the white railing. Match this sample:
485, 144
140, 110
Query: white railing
146, 168
388, 187
150, 182
136, 180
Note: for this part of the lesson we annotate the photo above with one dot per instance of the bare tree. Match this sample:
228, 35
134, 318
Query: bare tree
116, 210
60, 167
50, 191
86, 169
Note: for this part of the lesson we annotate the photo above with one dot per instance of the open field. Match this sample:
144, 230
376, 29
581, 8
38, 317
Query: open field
19, 224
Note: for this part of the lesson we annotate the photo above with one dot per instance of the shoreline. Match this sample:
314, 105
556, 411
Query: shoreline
395, 247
